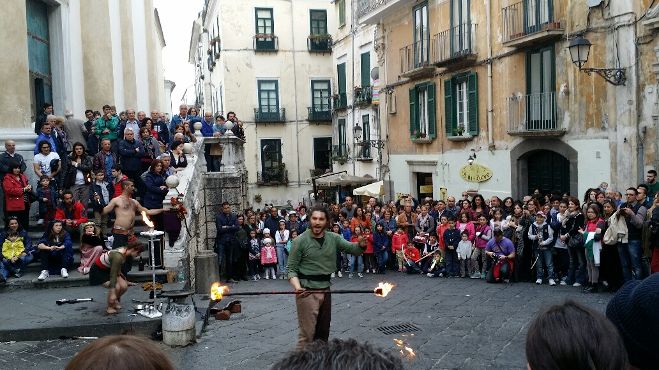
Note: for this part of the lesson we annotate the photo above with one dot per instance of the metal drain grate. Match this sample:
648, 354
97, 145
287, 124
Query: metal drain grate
398, 328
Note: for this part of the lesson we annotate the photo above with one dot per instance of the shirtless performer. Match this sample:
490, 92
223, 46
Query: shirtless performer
125, 208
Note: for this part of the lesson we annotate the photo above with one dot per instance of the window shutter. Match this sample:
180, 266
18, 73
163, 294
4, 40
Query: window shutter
432, 125
414, 122
366, 69
472, 95
449, 106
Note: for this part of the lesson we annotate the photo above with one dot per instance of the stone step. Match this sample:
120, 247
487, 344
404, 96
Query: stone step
75, 279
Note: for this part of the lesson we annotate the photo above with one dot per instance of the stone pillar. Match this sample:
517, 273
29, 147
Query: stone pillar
14, 68
97, 53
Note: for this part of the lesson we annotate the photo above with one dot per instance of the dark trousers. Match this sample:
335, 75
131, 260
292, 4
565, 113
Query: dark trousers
451, 262
382, 261
53, 261
253, 266
314, 315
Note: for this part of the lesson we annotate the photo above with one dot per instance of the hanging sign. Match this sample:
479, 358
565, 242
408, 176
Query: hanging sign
475, 173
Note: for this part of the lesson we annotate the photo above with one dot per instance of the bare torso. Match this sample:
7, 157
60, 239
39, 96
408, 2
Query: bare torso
124, 209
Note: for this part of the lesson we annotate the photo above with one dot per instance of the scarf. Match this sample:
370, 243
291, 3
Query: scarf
568, 215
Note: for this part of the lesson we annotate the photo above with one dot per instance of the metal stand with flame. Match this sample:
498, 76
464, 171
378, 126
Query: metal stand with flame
220, 291
152, 234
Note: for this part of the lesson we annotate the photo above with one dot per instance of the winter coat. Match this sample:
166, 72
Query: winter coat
154, 195
131, 153
85, 166
14, 195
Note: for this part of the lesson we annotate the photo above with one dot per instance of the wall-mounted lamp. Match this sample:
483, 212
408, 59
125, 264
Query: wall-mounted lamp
580, 48
472, 157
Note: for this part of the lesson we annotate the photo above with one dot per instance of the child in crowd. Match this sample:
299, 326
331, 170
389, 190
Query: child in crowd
355, 260
431, 246
369, 257
542, 236
380, 247
464, 254
254, 256
451, 238
266, 234
269, 258
443, 226
100, 194
345, 230
289, 244
398, 242
411, 255
482, 235
91, 246
15, 255
436, 267
336, 229
47, 196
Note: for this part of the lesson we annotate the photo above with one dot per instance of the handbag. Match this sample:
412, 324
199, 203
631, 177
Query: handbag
576, 241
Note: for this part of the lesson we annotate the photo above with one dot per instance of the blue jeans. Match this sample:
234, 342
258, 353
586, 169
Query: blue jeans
282, 258
452, 263
382, 260
7, 267
545, 262
630, 259
351, 263
577, 271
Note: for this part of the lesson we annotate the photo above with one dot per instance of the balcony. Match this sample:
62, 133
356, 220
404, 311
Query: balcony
415, 60
269, 115
340, 153
373, 11
534, 115
319, 43
272, 177
340, 101
363, 95
320, 114
455, 47
530, 22
266, 43
363, 152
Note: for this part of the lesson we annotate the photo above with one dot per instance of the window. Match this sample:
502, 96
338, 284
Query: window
461, 105
540, 86
318, 22
537, 13
322, 153
460, 26
265, 24
342, 150
422, 111
421, 36
268, 96
342, 12
366, 69
366, 136
341, 81
320, 95
272, 166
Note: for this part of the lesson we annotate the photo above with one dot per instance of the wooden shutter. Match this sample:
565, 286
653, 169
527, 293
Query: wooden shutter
414, 122
341, 80
472, 96
449, 108
432, 125
366, 69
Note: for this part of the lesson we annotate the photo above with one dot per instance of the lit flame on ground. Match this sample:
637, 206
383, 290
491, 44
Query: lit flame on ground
217, 291
146, 220
405, 350
383, 289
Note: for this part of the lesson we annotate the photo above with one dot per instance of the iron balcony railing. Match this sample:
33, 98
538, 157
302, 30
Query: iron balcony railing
533, 113
340, 152
340, 101
363, 151
414, 56
320, 113
266, 42
367, 6
267, 114
454, 43
528, 17
364, 95
319, 43
272, 176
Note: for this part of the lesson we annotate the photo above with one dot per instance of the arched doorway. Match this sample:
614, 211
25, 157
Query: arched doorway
547, 171
547, 164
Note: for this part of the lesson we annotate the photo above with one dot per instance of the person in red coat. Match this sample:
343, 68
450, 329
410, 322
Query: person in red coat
16, 189
72, 213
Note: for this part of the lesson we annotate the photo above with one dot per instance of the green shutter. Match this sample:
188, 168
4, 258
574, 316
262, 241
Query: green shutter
432, 125
472, 95
449, 107
414, 122
366, 69
341, 80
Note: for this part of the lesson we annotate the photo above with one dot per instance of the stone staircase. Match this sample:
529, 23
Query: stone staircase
28, 280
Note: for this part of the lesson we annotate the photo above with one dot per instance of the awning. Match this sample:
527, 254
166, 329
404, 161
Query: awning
375, 189
343, 179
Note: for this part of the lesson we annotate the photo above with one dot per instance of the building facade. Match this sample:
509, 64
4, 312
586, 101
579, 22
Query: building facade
270, 62
356, 64
491, 83
77, 55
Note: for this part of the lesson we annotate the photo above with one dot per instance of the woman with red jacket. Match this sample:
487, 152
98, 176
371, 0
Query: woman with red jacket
17, 194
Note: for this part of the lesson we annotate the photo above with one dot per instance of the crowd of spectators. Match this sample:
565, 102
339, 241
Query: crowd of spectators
79, 166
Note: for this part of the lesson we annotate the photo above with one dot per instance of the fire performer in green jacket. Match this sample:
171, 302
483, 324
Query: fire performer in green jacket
311, 262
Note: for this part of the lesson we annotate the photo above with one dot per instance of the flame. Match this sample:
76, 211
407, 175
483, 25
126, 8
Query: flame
405, 350
146, 220
217, 291
383, 289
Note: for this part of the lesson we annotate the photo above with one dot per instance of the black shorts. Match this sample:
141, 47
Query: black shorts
119, 240
97, 276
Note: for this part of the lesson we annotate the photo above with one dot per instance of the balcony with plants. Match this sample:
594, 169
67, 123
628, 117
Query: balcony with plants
340, 101
320, 113
340, 153
531, 22
363, 95
319, 43
266, 42
269, 115
273, 176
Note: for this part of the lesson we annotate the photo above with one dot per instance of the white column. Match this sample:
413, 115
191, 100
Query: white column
117, 54
139, 54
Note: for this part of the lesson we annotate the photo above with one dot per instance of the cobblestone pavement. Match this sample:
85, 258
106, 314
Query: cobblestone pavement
464, 324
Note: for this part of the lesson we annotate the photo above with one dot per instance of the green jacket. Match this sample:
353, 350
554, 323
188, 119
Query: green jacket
111, 124
309, 258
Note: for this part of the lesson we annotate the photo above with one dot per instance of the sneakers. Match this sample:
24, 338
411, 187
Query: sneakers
576, 284
400, 269
360, 274
40, 222
85, 270
332, 276
552, 282
350, 275
539, 281
563, 282
17, 273
339, 274
43, 275
267, 277
429, 274
64, 273
475, 275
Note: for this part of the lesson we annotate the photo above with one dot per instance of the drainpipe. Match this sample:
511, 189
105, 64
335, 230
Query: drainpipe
353, 20
490, 119
297, 121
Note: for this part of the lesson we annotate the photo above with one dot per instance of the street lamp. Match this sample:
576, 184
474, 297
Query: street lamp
357, 134
580, 48
471, 159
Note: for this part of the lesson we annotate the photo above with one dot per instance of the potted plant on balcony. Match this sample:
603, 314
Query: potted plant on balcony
420, 137
460, 130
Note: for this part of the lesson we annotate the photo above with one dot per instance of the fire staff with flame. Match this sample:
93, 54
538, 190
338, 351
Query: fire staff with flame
311, 262
125, 208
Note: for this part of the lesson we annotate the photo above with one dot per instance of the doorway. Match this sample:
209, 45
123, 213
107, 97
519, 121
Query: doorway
548, 171
423, 185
